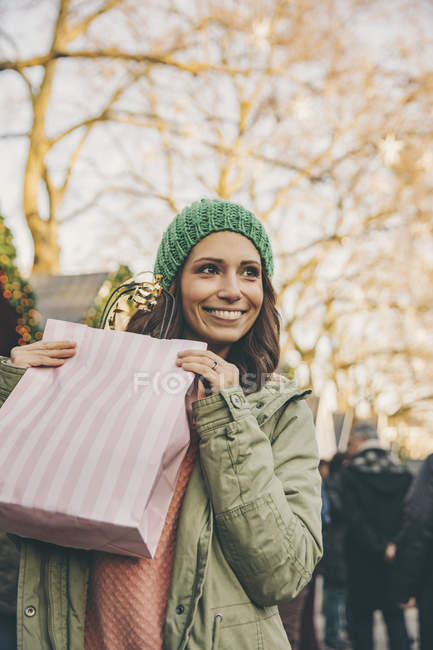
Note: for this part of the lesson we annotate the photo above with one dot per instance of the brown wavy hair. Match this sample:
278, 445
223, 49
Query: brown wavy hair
256, 354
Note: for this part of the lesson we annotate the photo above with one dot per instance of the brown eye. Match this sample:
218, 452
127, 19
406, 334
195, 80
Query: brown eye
252, 271
207, 268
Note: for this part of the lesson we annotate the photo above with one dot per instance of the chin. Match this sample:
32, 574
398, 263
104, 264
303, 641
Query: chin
229, 338
214, 335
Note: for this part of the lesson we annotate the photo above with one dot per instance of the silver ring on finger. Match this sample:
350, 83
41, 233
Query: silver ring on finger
214, 365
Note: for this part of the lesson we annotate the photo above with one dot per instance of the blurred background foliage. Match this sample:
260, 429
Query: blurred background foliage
17, 294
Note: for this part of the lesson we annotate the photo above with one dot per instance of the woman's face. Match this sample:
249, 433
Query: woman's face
221, 287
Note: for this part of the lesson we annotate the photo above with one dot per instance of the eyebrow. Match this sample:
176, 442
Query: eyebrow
220, 261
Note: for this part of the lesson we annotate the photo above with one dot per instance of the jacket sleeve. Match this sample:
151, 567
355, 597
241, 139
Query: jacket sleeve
9, 555
9, 377
415, 540
265, 493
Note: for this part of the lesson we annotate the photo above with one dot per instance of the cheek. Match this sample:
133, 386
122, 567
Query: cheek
192, 299
256, 297
192, 296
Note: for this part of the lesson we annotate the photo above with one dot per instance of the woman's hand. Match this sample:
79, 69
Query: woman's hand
390, 551
43, 353
216, 371
410, 603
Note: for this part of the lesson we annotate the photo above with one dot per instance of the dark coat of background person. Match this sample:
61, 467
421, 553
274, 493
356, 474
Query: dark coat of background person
413, 567
333, 564
374, 486
291, 614
297, 617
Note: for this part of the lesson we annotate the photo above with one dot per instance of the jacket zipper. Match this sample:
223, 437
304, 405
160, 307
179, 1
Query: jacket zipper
216, 631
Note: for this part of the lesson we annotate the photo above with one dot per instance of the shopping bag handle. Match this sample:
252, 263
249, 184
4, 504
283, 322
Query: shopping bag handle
144, 294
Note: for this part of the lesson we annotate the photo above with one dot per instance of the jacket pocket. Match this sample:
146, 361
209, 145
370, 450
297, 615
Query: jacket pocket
273, 634
237, 627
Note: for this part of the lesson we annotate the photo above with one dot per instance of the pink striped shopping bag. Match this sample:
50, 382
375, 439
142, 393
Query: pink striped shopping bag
90, 451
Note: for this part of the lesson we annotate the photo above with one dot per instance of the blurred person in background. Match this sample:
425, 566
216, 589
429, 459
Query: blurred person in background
374, 484
413, 568
298, 615
291, 617
333, 564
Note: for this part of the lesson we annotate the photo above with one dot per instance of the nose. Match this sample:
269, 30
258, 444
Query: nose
230, 288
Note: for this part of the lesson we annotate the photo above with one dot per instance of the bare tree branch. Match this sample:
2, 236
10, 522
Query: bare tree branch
193, 67
75, 31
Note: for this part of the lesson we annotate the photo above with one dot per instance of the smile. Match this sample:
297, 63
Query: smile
225, 314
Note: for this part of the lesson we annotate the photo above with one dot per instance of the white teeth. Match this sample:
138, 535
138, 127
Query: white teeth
225, 314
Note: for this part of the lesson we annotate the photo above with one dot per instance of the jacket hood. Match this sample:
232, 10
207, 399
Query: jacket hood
379, 468
275, 393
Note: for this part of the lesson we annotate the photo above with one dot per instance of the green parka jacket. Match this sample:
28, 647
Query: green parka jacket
249, 534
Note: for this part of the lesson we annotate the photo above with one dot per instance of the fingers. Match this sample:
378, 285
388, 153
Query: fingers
198, 368
46, 361
43, 353
205, 362
65, 353
202, 363
199, 353
56, 345
201, 356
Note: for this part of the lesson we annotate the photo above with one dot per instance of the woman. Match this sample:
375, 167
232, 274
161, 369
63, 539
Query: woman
248, 533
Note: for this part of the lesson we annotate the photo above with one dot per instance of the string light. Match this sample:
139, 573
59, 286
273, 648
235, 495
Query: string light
390, 149
303, 109
261, 32
426, 161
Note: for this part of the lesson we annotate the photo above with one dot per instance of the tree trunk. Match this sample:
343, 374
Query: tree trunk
47, 250
44, 232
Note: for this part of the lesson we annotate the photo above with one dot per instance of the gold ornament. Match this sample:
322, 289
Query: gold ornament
129, 297
147, 293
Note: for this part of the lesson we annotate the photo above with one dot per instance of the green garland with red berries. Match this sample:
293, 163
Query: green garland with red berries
17, 291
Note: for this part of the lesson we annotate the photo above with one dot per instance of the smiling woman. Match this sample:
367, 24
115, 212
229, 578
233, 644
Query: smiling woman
222, 289
216, 261
243, 531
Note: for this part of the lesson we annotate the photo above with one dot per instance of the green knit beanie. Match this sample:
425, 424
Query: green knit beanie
201, 219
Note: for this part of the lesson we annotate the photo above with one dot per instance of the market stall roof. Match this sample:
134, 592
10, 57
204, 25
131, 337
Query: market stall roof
66, 297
